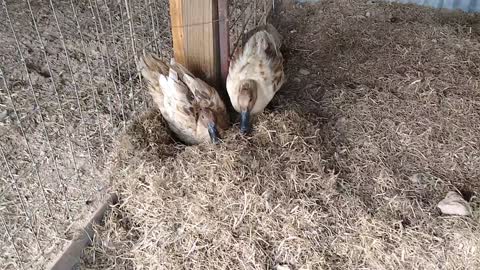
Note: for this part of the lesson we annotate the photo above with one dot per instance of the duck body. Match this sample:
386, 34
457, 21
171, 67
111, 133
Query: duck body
193, 110
256, 72
253, 71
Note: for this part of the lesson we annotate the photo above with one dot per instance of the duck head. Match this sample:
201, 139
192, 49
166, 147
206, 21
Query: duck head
246, 100
208, 120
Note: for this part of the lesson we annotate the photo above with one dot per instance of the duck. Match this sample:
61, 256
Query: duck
256, 73
193, 110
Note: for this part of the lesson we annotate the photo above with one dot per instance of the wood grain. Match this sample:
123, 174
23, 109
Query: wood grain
195, 37
176, 19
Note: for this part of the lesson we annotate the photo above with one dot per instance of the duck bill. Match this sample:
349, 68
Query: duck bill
245, 122
213, 132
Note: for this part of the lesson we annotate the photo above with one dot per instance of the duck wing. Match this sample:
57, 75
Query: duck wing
206, 96
269, 28
179, 104
261, 44
151, 68
267, 43
261, 60
179, 96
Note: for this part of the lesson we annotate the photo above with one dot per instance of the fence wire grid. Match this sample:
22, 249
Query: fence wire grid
69, 85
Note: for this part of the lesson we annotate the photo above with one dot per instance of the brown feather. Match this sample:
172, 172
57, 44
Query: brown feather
151, 67
183, 98
271, 51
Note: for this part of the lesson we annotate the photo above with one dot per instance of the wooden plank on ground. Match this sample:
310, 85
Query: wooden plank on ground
70, 258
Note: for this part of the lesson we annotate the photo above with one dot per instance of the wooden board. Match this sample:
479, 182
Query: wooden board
70, 258
195, 37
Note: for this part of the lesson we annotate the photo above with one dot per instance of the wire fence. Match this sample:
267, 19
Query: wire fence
244, 16
69, 85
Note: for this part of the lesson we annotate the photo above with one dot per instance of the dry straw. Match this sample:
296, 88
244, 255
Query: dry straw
343, 171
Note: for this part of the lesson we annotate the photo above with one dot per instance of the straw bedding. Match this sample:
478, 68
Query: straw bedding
344, 169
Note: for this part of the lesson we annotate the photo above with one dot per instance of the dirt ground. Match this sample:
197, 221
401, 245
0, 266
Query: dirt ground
378, 120
43, 203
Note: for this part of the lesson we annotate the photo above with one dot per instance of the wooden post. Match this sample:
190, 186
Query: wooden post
195, 37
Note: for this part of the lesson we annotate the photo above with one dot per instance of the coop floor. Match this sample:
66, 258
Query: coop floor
60, 115
380, 117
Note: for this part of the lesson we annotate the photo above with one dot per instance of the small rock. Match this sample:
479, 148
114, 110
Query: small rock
3, 115
425, 179
417, 178
454, 204
359, 17
368, 14
308, 1
282, 267
394, 19
304, 72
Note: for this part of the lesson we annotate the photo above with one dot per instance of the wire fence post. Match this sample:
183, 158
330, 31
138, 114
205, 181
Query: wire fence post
224, 38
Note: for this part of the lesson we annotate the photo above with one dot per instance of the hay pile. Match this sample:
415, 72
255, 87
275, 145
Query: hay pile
345, 169
252, 202
264, 202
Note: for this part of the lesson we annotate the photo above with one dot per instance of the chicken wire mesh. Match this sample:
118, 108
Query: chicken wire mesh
69, 85
245, 16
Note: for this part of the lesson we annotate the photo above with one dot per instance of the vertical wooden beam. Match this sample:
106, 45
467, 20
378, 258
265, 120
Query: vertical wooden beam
176, 20
195, 37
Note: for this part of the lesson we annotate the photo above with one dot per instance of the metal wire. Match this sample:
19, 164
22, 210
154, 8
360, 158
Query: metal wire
29, 150
62, 116
89, 71
154, 29
117, 87
251, 14
100, 33
74, 82
104, 90
134, 51
125, 44
20, 196
10, 238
